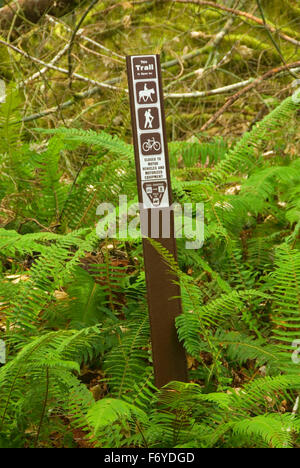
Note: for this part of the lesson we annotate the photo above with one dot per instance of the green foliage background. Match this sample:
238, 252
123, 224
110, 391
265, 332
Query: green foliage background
73, 309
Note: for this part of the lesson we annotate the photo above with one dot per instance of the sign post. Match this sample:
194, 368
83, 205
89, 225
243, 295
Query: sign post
154, 190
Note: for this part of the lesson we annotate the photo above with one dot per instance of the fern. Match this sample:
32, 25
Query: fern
73, 312
103, 140
125, 364
242, 156
285, 281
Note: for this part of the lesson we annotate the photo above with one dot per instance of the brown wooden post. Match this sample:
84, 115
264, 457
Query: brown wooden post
155, 194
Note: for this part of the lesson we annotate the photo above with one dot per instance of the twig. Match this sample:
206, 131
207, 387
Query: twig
221, 34
211, 92
296, 406
62, 70
212, 44
21, 84
25, 220
203, 72
64, 105
97, 89
190, 55
71, 45
45, 69
86, 38
93, 52
271, 37
250, 86
233, 11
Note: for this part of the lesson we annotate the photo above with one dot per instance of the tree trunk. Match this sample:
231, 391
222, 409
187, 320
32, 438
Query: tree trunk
33, 10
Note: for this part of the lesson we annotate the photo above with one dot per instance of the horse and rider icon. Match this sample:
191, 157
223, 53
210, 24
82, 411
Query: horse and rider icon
146, 92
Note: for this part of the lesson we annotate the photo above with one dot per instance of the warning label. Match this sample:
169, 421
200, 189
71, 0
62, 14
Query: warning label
153, 167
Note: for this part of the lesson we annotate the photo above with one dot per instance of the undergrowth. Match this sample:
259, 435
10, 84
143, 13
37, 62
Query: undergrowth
73, 310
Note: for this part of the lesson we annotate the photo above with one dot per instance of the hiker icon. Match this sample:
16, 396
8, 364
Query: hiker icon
146, 94
148, 119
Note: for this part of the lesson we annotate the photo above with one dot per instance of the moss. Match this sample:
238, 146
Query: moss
250, 41
294, 8
5, 63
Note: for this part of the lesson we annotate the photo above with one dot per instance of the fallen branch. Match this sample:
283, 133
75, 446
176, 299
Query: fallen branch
242, 92
32, 11
203, 72
235, 12
247, 85
52, 110
96, 90
85, 38
270, 35
212, 44
73, 37
45, 69
62, 70
211, 92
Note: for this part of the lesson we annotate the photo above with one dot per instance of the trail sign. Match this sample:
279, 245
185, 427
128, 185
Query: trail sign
146, 108
154, 189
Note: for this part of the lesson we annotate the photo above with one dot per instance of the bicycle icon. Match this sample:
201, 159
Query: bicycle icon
151, 144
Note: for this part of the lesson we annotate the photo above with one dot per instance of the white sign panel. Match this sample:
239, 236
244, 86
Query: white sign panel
150, 138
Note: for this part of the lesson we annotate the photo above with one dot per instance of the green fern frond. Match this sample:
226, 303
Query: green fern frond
243, 157
127, 364
285, 286
103, 140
